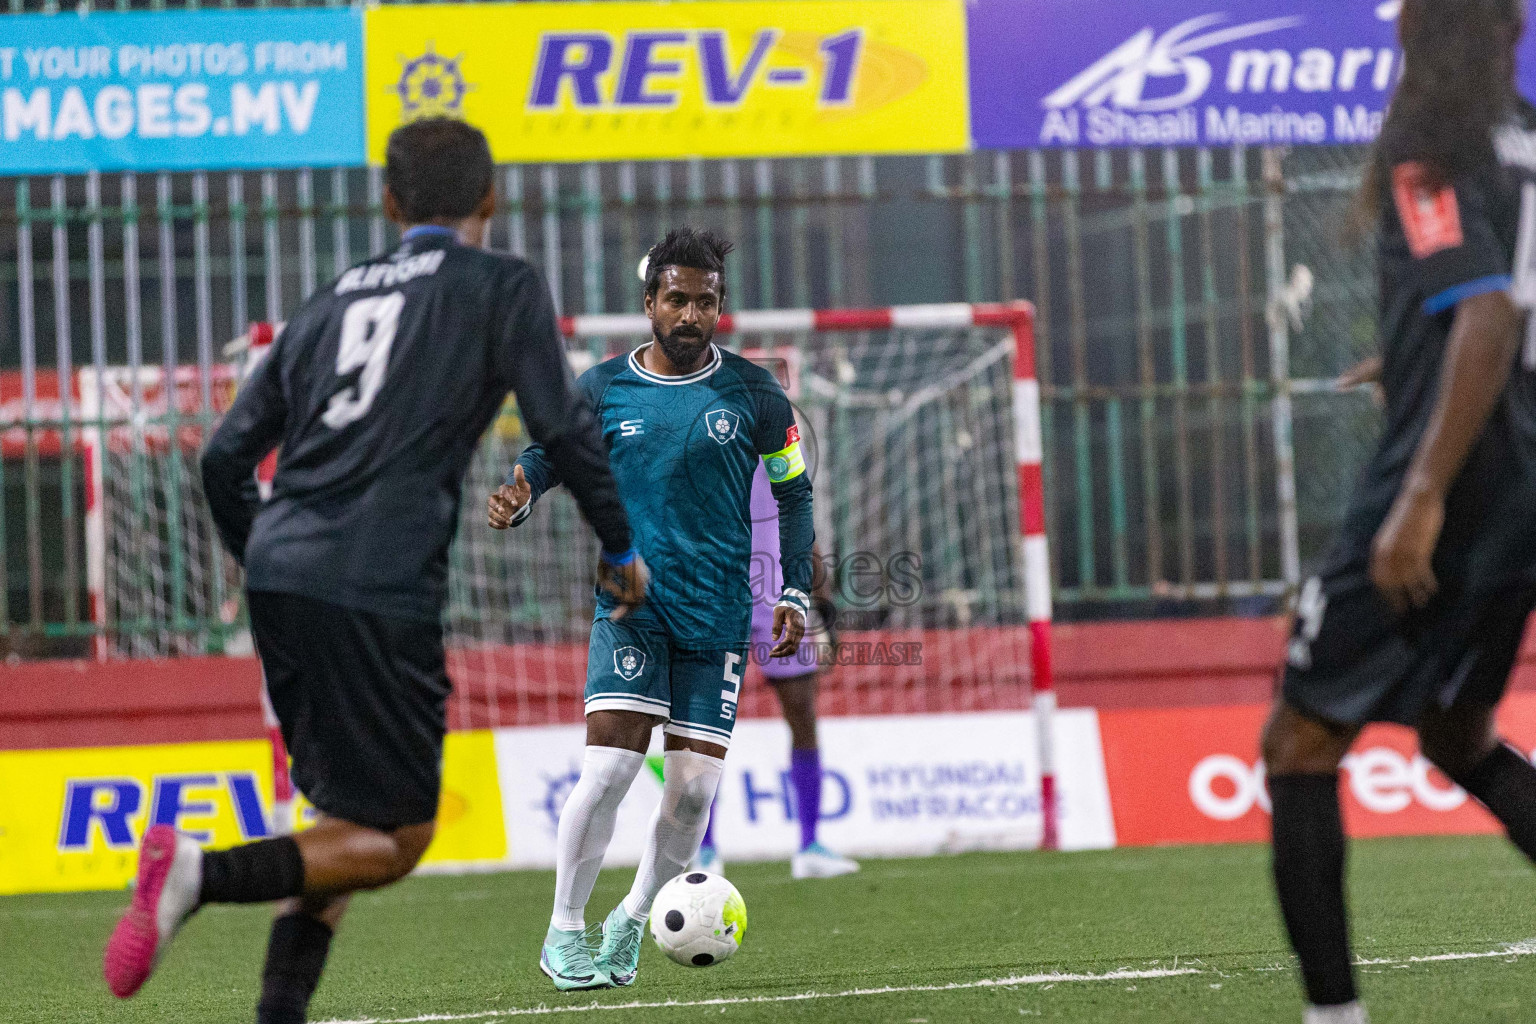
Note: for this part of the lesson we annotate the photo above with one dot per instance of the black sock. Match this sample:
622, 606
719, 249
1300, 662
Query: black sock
1309, 879
1505, 782
295, 957
259, 872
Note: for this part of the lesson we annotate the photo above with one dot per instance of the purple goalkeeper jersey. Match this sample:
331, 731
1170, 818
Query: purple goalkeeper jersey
767, 576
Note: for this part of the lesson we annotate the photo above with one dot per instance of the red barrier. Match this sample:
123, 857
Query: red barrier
1162, 666
1201, 661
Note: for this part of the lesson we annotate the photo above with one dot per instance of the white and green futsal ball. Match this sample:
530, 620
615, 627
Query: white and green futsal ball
698, 919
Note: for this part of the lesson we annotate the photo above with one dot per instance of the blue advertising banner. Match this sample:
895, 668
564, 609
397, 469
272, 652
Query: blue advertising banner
181, 91
1183, 72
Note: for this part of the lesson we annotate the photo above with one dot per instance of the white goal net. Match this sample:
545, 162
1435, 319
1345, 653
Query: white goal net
910, 439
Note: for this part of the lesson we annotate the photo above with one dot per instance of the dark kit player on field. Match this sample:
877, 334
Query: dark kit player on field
1417, 616
377, 393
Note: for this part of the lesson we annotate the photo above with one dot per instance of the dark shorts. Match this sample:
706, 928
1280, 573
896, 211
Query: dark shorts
361, 701
635, 665
1352, 659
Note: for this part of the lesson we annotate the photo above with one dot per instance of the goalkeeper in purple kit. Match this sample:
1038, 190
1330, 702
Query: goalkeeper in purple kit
794, 678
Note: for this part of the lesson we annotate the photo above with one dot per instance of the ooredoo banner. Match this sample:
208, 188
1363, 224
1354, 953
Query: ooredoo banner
1193, 775
626, 80
1098, 73
165, 91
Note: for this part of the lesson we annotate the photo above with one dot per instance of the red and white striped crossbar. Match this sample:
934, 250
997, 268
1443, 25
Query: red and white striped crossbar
1018, 317
790, 321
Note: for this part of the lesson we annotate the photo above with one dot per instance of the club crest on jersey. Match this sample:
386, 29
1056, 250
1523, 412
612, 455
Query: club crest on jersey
628, 662
722, 424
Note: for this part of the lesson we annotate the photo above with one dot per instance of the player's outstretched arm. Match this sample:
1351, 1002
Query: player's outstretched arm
797, 538
250, 430
797, 541
1479, 357
778, 442
558, 417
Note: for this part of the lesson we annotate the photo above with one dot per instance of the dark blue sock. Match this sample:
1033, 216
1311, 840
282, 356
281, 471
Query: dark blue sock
1505, 783
296, 955
1309, 848
805, 776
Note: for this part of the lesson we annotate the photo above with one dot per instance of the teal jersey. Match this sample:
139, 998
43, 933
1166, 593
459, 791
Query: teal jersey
684, 450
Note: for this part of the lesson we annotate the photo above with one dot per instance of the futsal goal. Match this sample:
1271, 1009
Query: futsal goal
921, 429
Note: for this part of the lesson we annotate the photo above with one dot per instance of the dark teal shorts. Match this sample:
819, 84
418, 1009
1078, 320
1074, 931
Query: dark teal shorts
635, 665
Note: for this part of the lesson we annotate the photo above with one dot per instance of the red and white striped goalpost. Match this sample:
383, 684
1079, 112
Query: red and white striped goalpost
1019, 319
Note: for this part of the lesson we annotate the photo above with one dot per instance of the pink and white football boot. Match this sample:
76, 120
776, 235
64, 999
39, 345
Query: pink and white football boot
170, 876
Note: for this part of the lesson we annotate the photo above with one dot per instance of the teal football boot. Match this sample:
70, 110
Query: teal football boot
567, 959
619, 956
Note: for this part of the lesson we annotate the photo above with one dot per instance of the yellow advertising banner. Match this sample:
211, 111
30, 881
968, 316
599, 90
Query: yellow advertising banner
72, 819
619, 81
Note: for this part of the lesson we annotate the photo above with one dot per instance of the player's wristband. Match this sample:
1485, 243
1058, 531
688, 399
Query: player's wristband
796, 599
618, 560
521, 514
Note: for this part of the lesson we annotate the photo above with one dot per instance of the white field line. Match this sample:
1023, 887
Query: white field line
1508, 952
672, 1004
1514, 949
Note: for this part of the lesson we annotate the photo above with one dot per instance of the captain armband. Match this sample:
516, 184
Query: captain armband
786, 463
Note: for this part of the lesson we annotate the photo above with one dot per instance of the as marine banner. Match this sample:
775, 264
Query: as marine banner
184, 90
623, 80
1097, 73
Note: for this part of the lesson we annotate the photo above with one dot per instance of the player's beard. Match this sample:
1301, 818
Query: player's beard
683, 349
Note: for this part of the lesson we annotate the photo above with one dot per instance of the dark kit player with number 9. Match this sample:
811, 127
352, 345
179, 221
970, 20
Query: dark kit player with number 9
1418, 614
377, 394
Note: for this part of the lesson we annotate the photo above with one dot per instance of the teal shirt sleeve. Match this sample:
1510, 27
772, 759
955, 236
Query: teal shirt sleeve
778, 442
538, 468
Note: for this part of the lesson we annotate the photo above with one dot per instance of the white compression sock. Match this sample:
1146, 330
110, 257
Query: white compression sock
586, 828
688, 788
1346, 1013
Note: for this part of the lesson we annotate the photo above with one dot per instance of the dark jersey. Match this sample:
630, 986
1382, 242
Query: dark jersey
1442, 243
684, 451
377, 393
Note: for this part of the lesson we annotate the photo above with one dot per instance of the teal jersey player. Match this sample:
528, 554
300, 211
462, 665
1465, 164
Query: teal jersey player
685, 426
684, 451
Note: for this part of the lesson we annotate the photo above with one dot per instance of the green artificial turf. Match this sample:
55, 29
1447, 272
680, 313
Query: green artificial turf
469, 945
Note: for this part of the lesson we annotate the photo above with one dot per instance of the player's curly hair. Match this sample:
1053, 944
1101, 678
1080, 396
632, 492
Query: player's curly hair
1458, 83
686, 247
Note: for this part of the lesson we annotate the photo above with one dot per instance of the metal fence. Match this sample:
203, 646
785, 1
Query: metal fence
1196, 457
1193, 456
